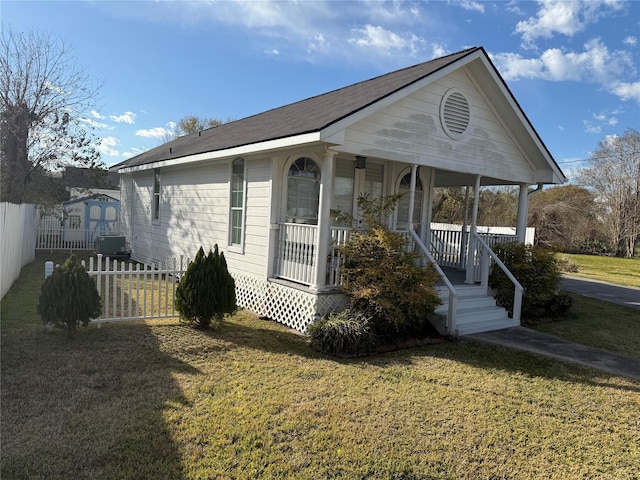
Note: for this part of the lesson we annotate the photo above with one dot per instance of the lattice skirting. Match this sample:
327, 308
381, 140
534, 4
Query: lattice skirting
292, 307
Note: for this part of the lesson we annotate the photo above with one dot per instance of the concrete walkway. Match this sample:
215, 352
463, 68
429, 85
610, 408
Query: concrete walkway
627, 296
528, 340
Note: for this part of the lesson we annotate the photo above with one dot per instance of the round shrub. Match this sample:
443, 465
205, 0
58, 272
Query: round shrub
344, 333
69, 297
538, 272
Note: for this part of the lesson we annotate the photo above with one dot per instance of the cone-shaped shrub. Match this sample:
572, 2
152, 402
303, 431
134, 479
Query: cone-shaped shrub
69, 297
206, 292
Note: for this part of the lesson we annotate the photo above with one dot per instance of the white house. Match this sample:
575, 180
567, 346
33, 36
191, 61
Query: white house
262, 187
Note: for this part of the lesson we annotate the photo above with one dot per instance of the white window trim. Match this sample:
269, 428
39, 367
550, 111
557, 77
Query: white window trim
237, 247
156, 207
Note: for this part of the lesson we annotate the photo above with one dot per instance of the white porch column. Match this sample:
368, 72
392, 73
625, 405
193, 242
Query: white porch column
474, 227
427, 216
412, 195
523, 210
324, 221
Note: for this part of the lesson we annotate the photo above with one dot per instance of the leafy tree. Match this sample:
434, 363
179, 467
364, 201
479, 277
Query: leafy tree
498, 206
206, 292
69, 297
614, 175
45, 100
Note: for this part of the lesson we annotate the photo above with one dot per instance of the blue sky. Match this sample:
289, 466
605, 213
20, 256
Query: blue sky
573, 66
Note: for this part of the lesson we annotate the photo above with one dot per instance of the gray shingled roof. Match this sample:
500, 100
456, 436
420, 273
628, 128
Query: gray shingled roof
306, 116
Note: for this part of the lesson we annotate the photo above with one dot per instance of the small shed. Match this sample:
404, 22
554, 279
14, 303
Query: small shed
86, 217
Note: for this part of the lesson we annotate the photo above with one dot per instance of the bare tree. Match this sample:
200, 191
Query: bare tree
567, 217
45, 101
614, 174
193, 124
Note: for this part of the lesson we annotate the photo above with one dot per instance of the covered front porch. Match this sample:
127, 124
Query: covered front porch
308, 251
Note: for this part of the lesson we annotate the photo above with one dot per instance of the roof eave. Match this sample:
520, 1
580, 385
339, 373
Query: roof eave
269, 145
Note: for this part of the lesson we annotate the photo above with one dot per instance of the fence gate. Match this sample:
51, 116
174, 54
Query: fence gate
134, 291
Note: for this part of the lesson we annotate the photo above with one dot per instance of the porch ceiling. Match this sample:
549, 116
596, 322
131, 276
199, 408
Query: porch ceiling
446, 178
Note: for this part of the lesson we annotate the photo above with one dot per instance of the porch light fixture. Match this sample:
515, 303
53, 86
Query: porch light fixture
361, 162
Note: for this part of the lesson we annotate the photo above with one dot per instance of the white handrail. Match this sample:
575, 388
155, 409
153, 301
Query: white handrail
453, 294
487, 252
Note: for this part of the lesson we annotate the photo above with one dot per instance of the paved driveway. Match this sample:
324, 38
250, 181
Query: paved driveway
627, 296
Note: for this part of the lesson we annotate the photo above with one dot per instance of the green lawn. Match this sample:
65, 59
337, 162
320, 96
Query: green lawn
158, 400
620, 271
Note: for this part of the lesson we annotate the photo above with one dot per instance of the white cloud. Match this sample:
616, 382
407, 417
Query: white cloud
126, 117
591, 127
273, 51
160, 133
566, 17
386, 41
94, 124
627, 91
596, 64
631, 41
108, 146
96, 115
132, 153
470, 5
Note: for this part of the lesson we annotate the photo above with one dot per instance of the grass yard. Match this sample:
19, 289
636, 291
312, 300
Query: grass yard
599, 324
158, 400
619, 271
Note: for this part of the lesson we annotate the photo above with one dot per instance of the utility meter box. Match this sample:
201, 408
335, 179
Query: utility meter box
111, 245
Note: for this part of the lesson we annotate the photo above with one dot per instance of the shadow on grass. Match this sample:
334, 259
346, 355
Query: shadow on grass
490, 358
97, 406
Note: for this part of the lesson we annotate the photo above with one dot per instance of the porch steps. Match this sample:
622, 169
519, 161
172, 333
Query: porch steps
476, 312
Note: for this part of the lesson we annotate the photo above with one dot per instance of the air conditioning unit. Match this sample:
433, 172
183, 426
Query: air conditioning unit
111, 245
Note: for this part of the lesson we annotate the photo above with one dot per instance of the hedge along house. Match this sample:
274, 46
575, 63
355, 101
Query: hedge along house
262, 187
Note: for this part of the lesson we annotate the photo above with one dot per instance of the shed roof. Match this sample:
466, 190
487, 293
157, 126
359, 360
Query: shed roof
305, 116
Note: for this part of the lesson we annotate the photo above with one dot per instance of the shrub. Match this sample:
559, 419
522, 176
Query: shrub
206, 291
566, 265
382, 276
537, 271
68, 297
347, 332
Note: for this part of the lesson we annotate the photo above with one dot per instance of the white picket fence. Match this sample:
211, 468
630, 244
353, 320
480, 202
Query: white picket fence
132, 291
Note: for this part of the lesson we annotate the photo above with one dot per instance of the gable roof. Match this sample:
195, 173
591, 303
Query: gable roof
91, 197
306, 116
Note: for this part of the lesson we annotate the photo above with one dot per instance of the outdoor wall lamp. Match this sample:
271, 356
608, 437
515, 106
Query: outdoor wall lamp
361, 162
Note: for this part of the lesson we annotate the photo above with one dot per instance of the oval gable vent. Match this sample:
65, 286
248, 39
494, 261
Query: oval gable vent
455, 113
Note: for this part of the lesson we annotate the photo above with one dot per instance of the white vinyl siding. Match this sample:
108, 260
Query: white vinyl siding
410, 131
196, 208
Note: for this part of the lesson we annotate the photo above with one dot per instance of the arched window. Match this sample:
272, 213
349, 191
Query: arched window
303, 191
403, 205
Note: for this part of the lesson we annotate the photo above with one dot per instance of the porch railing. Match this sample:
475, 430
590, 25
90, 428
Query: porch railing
298, 246
297, 252
453, 294
487, 257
